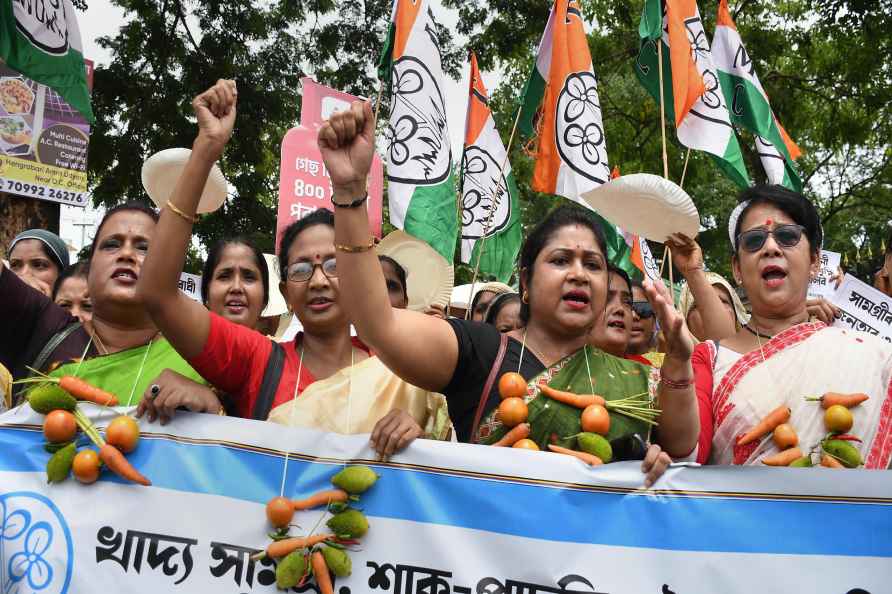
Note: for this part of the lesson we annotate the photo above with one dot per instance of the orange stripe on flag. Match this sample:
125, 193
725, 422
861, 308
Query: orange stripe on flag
636, 258
478, 110
687, 83
724, 16
406, 12
615, 173
569, 54
792, 147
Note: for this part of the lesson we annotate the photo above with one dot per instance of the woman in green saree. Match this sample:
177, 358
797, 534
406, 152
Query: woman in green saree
119, 350
563, 288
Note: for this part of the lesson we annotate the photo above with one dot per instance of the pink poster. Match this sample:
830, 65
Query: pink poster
304, 184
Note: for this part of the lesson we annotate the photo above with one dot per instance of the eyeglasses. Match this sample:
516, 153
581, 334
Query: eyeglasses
300, 272
786, 236
643, 309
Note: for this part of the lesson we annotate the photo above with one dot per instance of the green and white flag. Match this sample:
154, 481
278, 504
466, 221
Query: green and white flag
421, 184
749, 102
692, 94
41, 40
487, 213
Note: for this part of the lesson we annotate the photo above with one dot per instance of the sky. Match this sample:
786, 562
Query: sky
102, 19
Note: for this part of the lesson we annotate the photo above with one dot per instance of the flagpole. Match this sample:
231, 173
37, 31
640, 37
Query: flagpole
662, 106
685, 170
495, 198
378, 100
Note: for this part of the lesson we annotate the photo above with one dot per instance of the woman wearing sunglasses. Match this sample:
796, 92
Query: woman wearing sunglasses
260, 375
643, 330
779, 356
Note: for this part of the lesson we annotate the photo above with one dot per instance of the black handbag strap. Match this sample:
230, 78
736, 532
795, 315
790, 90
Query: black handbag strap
270, 383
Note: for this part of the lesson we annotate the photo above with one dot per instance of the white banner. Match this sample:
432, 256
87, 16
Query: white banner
863, 308
445, 519
190, 284
823, 285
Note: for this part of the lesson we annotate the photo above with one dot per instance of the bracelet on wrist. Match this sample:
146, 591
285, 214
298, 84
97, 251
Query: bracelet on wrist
355, 204
355, 249
677, 384
176, 210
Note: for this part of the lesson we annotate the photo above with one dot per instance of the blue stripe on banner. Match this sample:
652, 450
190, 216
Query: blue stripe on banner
533, 511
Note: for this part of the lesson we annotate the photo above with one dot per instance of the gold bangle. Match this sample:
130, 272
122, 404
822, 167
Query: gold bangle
355, 249
179, 212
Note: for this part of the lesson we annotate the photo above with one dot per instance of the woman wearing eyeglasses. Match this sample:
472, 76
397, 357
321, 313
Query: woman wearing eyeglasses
260, 375
779, 357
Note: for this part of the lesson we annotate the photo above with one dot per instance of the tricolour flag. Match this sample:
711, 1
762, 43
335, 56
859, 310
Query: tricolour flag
489, 193
421, 185
749, 102
42, 41
561, 106
692, 94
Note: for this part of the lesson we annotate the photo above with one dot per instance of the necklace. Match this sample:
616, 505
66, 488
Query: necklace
141, 367
756, 333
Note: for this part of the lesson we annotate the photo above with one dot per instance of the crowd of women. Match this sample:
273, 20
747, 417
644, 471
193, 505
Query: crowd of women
712, 366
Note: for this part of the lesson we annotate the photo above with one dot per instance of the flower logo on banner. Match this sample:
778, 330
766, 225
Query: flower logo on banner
580, 137
36, 534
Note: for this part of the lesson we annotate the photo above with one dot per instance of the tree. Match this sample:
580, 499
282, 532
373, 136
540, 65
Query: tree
824, 64
171, 50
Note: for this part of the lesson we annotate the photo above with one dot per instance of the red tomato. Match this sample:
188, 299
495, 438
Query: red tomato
59, 426
512, 385
123, 433
86, 466
513, 411
596, 419
279, 511
526, 444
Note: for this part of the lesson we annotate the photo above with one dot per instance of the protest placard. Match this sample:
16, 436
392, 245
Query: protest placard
863, 308
823, 284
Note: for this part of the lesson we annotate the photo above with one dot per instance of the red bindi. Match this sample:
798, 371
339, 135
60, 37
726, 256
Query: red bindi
768, 222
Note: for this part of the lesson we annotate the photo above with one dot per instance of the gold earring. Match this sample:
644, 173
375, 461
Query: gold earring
526, 297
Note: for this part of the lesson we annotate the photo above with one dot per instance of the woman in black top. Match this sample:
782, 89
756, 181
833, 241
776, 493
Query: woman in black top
563, 284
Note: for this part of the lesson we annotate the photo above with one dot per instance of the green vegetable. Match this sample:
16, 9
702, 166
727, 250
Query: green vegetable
355, 479
593, 443
59, 465
351, 523
52, 448
45, 398
803, 462
843, 451
291, 569
338, 561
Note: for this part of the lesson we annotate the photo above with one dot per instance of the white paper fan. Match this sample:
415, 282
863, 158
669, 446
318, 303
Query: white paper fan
160, 174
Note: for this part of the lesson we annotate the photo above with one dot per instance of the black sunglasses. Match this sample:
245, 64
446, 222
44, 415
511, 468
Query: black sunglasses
643, 309
786, 236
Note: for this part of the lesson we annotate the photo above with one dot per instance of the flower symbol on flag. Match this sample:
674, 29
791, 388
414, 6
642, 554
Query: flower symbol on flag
589, 138
712, 94
30, 563
583, 95
397, 139
697, 39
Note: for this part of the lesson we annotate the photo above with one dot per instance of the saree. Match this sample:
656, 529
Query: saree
128, 374
806, 360
587, 371
355, 398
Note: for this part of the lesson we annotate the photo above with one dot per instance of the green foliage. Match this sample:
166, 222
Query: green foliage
824, 64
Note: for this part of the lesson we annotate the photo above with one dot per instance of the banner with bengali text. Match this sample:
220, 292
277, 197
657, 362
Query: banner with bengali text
445, 519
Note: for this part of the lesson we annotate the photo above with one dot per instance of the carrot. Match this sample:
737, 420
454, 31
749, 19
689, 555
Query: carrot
281, 548
577, 400
321, 498
783, 458
118, 464
589, 459
320, 572
82, 390
776, 417
829, 461
831, 398
522, 431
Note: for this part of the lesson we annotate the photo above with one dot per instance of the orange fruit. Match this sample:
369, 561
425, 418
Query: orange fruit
513, 411
526, 444
59, 426
123, 433
279, 511
838, 419
85, 466
785, 436
512, 385
596, 419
